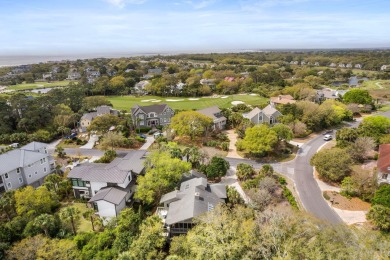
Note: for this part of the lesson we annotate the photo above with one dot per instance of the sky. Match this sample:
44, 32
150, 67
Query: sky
47, 27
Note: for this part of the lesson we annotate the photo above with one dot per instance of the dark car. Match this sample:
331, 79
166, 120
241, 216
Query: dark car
142, 136
73, 135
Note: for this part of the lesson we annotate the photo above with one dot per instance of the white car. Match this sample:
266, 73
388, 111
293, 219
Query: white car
327, 137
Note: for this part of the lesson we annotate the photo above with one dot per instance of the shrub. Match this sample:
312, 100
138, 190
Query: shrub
225, 146
382, 196
108, 157
290, 198
325, 195
140, 139
244, 171
239, 145
282, 180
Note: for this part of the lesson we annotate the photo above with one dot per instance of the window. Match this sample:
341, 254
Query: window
29, 166
6, 175
20, 180
44, 170
9, 185
384, 176
41, 161
210, 206
18, 170
29, 175
165, 120
164, 113
141, 123
141, 116
78, 183
260, 117
44, 159
129, 177
36, 173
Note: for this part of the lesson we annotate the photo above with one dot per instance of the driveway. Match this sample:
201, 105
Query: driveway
91, 142
231, 180
232, 145
149, 142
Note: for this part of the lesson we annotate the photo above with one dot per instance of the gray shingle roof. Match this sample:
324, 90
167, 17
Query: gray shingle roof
89, 116
34, 146
194, 198
114, 172
253, 113
112, 194
269, 110
158, 108
211, 112
18, 158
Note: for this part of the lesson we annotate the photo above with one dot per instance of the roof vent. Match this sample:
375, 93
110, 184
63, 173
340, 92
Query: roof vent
197, 194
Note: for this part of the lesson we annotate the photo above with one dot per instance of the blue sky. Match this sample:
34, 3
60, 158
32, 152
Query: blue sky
156, 26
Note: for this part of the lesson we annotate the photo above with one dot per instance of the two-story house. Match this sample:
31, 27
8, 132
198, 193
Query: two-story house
87, 118
108, 186
219, 121
282, 100
268, 115
151, 116
28, 165
195, 197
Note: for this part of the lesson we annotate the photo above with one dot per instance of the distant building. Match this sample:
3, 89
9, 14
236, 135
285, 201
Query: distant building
155, 71
207, 82
28, 165
282, 100
358, 66
333, 65
87, 118
140, 87
384, 67
268, 115
327, 93
195, 197
73, 74
219, 121
316, 63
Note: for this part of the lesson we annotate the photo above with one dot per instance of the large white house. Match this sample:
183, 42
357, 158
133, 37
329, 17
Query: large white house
108, 186
28, 165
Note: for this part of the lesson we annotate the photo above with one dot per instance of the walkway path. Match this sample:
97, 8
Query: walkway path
231, 180
232, 145
91, 142
149, 142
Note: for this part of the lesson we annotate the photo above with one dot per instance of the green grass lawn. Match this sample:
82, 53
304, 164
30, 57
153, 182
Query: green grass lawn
184, 103
25, 86
376, 84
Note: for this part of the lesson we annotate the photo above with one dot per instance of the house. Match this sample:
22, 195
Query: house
316, 63
342, 65
349, 65
358, 66
195, 197
108, 186
327, 93
219, 121
207, 82
47, 76
383, 164
303, 63
28, 165
282, 100
229, 79
87, 118
73, 74
140, 87
268, 115
332, 65
155, 71
385, 67
151, 116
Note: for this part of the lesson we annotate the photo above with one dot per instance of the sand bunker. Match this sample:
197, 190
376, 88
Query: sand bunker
174, 100
150, 100
253, 94
225, 97
193, 99
156, 101
234, 103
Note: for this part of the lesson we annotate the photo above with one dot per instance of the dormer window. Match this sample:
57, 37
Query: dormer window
152, 114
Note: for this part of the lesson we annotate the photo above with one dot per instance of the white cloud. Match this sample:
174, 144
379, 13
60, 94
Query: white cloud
200, 4
123, 3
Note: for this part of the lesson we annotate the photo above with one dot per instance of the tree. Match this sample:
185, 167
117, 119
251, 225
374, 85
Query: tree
150, 242
117, 84
260, 139
244, 171
217, 168
7, 204
60, 152
283, 132
380, 216
62, 115
90, 214
104, 122
233, 196
52, 182
346, 135
70, 215
361, 147
332, 164
34, 202
27, 248
45, 222
112, 139
58, 249
92, 102
375, 126
357, 96
194, 156
127, 229
163, 173
382, 196
190, 123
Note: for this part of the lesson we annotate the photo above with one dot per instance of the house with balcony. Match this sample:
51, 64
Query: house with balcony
195, 197
268, 115
219, 121
108, 187
152, 116
28, 165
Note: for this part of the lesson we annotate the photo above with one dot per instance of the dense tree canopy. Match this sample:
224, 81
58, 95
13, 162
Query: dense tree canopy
260, 139
358, 96
190, 123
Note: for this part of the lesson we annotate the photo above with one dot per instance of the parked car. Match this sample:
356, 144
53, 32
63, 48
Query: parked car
157, 135
328, 137
327, 132
73, 135
142, 136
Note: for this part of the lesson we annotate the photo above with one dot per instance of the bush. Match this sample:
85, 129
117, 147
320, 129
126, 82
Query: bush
225, 146
108, 157
325, 195
144, 129
239, 145
282, 181
382, 196
244, 171
140, 139
290, 198
211, 143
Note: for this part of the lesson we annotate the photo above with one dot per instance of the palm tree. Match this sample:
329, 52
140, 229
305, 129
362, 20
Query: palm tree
70, 214
7, 204
90, 213
45, 222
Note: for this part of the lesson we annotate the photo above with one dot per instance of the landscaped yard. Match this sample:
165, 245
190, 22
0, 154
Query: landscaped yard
25, 86
83, 225
185, 103
376, 84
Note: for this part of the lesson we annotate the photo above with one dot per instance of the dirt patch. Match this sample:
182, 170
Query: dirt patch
341, 202
305, 139
211, 151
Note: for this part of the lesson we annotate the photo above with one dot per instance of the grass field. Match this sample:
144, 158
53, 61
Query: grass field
376, 84
183, 103
38, 85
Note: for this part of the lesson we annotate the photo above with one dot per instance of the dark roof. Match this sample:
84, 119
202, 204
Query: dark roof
212, 112
111, 194
194, 198
383, 163
158, 108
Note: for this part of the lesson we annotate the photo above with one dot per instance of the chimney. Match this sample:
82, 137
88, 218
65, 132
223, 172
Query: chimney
197, 195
